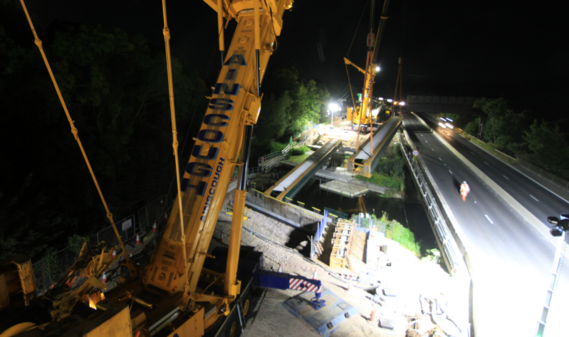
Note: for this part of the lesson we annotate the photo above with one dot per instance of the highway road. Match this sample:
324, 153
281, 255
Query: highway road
510, 257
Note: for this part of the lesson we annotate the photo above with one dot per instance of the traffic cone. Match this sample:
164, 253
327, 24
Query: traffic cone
137, 240
373, 315
130, 254
280, 268
104, 278
315, 277
349, 285
114, 253
154, 227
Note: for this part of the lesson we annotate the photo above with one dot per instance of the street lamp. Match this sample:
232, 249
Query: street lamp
560, 227
333, 108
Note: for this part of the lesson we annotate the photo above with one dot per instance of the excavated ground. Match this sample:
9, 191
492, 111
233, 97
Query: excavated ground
414, 281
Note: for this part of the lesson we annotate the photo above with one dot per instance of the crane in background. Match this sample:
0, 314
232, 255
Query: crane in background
362, 114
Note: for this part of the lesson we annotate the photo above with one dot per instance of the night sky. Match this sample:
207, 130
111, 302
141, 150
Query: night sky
467, 48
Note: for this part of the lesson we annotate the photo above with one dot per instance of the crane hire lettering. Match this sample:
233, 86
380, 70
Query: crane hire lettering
212, 189
216, 119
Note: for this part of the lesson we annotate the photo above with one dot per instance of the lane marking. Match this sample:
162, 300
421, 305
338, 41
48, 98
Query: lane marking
471, 152
505, 177
450, 171
487, 217
534, 198
440, 159
426, 141
486, 163
433, 149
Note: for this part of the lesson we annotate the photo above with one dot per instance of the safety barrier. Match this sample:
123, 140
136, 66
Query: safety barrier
549, 176
51, 268
297, 214
282, 152
441, 230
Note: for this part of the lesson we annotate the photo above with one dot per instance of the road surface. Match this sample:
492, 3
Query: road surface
510, 258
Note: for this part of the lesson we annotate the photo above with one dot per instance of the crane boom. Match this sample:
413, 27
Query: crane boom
174, 294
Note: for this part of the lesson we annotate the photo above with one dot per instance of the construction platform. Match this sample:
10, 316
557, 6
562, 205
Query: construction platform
364, 161
326, 319
292, 182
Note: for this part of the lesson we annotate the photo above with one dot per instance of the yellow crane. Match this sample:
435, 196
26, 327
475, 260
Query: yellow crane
174, 294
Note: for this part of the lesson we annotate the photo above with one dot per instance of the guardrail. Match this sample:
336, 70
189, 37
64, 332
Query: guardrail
51, 268
549, 176
438, 222
282, 152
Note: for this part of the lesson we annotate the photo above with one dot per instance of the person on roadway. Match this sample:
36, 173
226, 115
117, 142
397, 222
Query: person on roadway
464, 190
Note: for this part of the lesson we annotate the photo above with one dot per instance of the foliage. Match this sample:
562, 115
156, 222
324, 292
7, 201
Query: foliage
433, 255
276, 146
75, 242
297, 151
549, 147
503, 126
382, 180
389, 173
399, 233
299, 159
290, 103
393, 167
115, 87
541, 143
472, 127
395, 150
366, 222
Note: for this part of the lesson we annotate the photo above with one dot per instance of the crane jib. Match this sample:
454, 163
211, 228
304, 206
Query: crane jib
212, 135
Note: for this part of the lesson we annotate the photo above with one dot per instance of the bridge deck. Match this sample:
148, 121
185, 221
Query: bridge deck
295, 179
366, 161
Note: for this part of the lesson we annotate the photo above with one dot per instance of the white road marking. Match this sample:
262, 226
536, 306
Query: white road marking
432, 149
426, 141
450, 171
486, 163
487, 217
534, 198
505, 177
440, 159
471, 152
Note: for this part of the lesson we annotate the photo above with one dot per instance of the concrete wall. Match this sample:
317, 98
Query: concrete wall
293, 213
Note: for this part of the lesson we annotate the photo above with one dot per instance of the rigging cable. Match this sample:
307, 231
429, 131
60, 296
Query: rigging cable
351, 91
75, 132
166, 32
356, 32
164, 208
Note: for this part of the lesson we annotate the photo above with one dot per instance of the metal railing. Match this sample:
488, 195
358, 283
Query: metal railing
51, 268
545, 174
367, 222
256, 169
282, 152
440, 227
